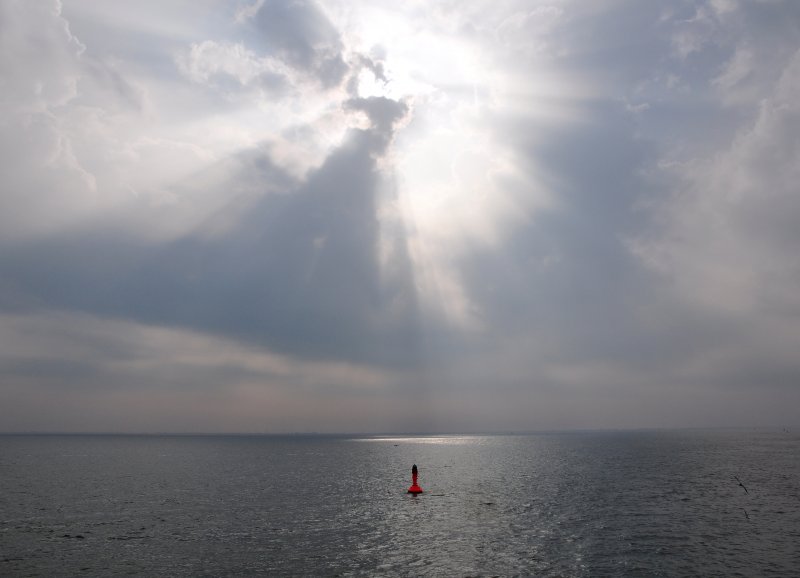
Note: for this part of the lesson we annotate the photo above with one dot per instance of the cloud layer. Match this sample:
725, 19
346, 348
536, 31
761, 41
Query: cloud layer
285, 216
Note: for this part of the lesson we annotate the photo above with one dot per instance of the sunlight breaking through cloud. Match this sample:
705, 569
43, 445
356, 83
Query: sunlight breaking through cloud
398, 217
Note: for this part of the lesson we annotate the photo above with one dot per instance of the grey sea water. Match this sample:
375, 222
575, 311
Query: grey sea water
566, 504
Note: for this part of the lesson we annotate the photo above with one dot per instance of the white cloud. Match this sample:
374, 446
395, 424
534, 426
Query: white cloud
208, 59
39, 57
694, 34
45, 184
737, 69
95, 136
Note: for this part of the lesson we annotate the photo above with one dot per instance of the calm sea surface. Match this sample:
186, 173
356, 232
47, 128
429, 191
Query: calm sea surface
566, 504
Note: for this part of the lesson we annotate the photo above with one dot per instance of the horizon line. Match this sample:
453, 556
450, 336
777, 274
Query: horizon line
389, 433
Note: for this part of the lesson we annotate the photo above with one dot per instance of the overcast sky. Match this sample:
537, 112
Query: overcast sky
376, 216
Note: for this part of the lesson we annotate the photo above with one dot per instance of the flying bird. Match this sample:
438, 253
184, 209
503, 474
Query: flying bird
741, 484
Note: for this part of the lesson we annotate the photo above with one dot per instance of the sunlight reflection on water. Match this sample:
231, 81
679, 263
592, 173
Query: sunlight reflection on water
438, 440
588, 504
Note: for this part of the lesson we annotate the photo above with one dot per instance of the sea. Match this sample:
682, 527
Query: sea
608, 503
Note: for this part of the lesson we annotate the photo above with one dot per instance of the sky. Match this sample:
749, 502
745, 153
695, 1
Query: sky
422, 216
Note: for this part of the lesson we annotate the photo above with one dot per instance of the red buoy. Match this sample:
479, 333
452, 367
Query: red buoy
414, 489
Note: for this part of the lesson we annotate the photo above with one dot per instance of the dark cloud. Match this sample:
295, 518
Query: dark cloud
300, 33
298, 271
567, 268
383, 113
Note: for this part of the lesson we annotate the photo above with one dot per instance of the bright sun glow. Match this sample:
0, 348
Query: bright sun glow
451, 172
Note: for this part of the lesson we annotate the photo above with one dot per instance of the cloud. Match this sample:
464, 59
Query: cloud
257, 251
213, 62
75, 130
383, 113
363, 216
64, 370
727, 239
560, 296
40, 67
40, 56
300, 271
301, 34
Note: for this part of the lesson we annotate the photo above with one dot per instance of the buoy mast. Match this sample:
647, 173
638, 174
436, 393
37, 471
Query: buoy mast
414, 489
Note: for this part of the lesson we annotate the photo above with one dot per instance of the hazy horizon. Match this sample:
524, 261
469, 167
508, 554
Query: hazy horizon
338, 216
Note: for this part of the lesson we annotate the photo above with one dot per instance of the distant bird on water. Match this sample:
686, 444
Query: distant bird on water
741, 484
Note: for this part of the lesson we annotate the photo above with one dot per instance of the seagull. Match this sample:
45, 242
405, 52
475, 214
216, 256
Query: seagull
741, 484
